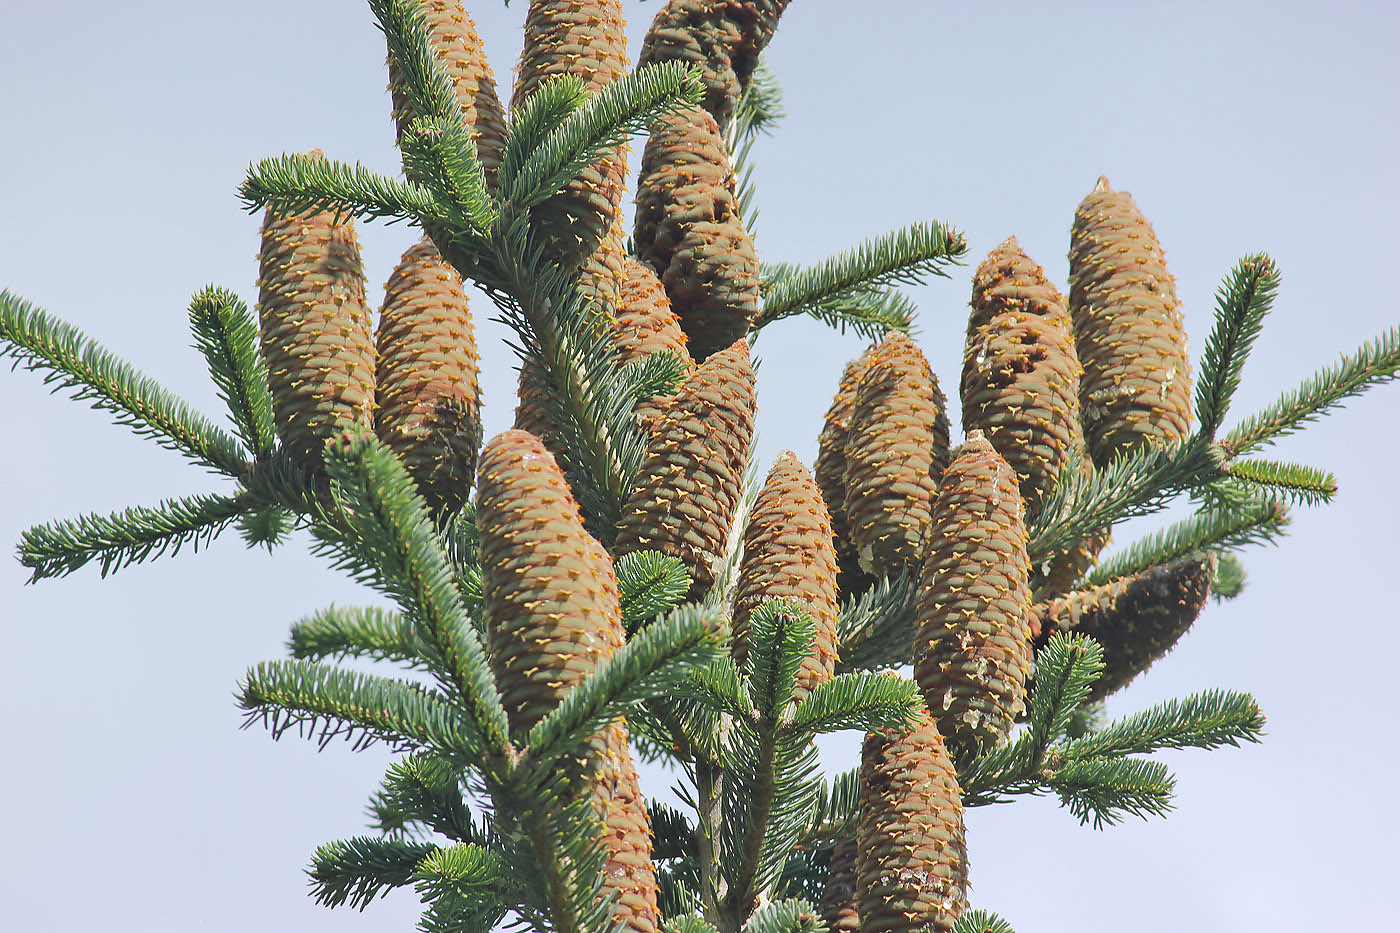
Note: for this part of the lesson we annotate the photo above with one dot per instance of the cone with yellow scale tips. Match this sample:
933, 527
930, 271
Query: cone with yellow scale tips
896, 448
1131, 338
688, 488
829, 471
428, 407
911, 862
1020, 377
453, 36
1137, 619
838, 908
788, 554
972, 649
552, 617
317, 338
585, 38
645, 324
1058, 573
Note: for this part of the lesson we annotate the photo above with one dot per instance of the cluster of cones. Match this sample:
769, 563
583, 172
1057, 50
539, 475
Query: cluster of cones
1045, 383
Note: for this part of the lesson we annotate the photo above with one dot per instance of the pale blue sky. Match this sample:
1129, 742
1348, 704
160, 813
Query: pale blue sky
136, 804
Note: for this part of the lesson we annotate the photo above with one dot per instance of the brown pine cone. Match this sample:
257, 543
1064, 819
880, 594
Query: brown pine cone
628, 874
829, 471
1020, 378
688, 488
645, 324
316, 332
911, 862
839, 908
1136, 619
428, 401
896, 449
788, 554
972, 652
1131, 337
453, 35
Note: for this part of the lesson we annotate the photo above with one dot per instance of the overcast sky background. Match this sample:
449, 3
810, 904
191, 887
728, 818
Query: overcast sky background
132, 800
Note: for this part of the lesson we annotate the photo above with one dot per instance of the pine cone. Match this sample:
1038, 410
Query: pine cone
829, 471
896, 449
628, 874
972, 653
550, 596
586, 38
688, 488
839, 909
1136, 619
316, 333
428, 407
453, 35
788, 554
1020, 378
645, 324
1128, 326
911, 862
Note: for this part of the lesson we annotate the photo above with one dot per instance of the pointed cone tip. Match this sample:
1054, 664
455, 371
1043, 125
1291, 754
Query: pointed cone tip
1102, 185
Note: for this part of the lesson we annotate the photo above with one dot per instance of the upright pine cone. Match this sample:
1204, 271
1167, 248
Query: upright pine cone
453, 36
788, 554
688, 488
428, 408
1128, 326
317, 338
829, 471
911, 862
839, 908
972, 652
586, 38
1020, 378
552, 616
645, 324
896, 449
1136, 619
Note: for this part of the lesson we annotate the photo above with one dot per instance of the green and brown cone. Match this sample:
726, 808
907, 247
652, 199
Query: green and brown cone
688, 489
972, 652
1137, 619
911, 862
645, 324
788, 554
428, 408
1128, 327
829, 471
896, 449
588, 39
1020, 377
628, 874
454, 37
839, 909
317, 337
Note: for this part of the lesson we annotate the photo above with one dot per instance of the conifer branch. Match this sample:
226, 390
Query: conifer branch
127, 537
786, 916
864, 700
1230, 577
423, 789
1373, 363
71, 360
439, 153
554, 101
406, 30
1241, 302
324, 702
265, 526
720, 687
1103, 790
868, 312
464, 886
1203, 720
908, 256
981, 921
227, 334
837, 810
780, 639
293, 183
649, 583
359, 632
356, 871
606, 120
1253, 521
688, 923
876, 628
1303, 484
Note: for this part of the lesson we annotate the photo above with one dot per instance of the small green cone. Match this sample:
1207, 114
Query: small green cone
788, 554
911, 861
315, 328
972, 652
896, 448
1020, 378
829, 471
1136, 619
428, 400
1128, 327
454, 37
586, 38
839, 909
687, 491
